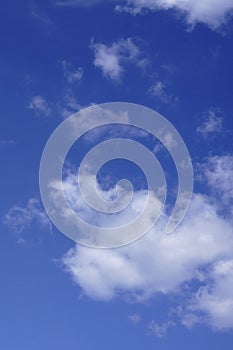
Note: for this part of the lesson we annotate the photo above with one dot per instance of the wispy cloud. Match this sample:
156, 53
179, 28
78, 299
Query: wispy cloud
212, 123
71, 75
135, 318
160, 329
158, 90
40, 106
70, 104
41, 16
20, 218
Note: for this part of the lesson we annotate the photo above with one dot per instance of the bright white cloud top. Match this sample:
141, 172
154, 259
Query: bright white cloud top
211, 12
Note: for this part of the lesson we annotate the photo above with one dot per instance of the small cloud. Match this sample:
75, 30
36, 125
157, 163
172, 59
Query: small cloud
39, 105
111, 59
71, 75
71, 105
129, 9
160, 330
42, 18
158, 90
135, 318
19, 218
212, 123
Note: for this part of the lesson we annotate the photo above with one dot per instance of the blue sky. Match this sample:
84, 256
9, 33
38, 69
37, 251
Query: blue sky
160, 292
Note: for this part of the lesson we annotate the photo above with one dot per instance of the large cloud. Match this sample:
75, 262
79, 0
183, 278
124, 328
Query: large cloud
157, 262
211, 12
195, 261
214, 13
200, 250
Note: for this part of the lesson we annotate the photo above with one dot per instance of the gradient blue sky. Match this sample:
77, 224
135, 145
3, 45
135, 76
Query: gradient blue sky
57, 57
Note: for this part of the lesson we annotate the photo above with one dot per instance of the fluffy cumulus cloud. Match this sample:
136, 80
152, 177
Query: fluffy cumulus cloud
111, 59
200, 251
156, 263
211, 12
195, 261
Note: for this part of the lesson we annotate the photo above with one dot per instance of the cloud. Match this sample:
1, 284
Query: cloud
214, 300
71, 105
219, 174
157, 262
211, 12
20, 218
111, 59
41, 16
194, 261
135, 318
158, 90
39, 105
212, 123
160, 330
71, 75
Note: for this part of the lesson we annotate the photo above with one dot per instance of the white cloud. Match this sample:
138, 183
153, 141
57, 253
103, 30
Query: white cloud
211, 12
164, 263
70, 74
214, 300
160, 330
212, 123
158, 90
20, 218
135, 318
39, 105
41, 16
71, 105
157, 262
110, 59
219, 174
